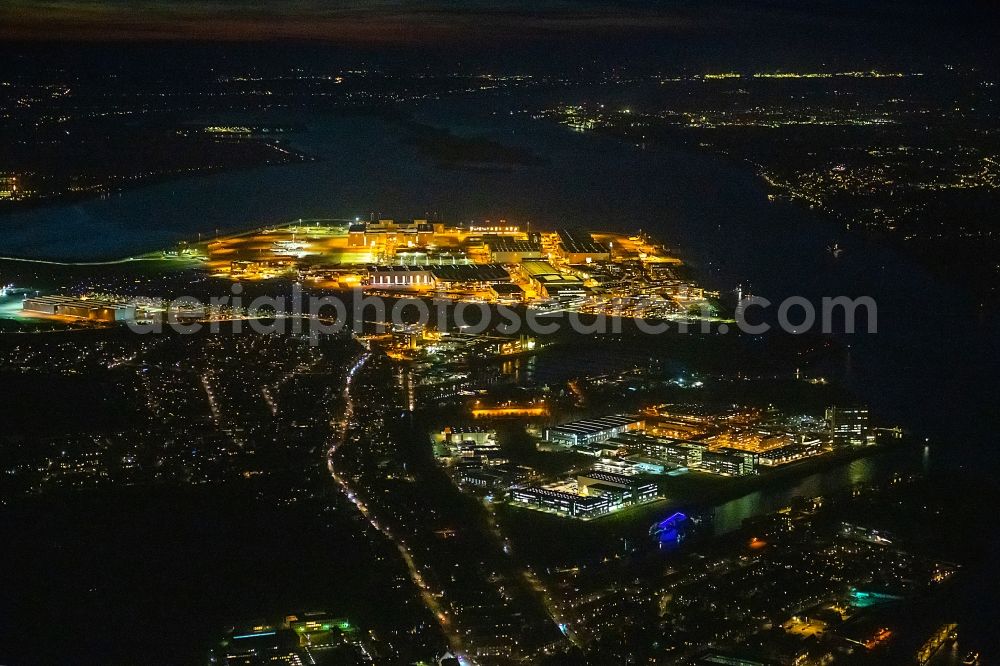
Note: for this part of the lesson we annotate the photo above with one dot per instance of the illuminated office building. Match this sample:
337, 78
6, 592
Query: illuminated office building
849, 426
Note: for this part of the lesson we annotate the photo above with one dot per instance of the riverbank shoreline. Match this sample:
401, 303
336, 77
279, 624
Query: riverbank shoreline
707, 496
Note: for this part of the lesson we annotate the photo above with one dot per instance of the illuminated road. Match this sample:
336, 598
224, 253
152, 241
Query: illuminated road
533, 581
110, 262
341, 431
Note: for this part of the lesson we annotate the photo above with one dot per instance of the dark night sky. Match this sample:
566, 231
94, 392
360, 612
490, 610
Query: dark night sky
388, 20
428, 21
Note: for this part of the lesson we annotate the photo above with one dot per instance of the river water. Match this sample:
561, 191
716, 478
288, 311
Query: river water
880, 467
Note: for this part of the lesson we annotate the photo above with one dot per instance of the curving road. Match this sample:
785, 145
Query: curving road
341, 430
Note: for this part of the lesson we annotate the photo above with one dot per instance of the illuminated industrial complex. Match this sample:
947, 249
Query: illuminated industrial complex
629, 452
490, 262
